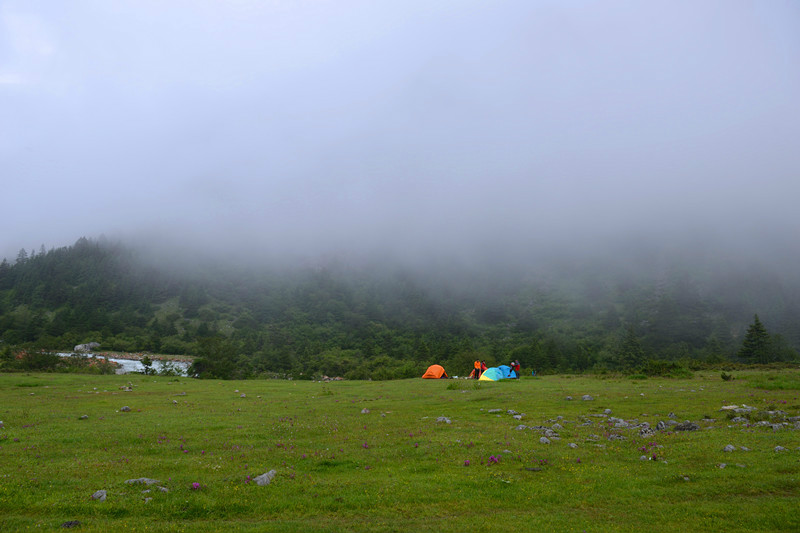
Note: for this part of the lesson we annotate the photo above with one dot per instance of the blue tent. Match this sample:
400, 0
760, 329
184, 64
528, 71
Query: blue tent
492, 374
507, 372
496, 373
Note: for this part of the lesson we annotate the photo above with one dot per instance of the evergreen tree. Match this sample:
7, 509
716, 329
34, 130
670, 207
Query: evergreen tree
216, 359
757, 344
631, 354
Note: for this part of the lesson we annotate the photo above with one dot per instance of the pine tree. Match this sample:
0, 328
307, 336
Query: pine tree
756, 346
631, 354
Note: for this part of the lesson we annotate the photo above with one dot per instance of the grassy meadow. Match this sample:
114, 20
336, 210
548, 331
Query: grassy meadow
376, 456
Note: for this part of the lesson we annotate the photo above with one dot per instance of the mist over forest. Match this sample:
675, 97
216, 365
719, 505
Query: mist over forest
653, 311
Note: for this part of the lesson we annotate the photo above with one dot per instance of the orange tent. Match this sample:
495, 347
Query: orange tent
435, 372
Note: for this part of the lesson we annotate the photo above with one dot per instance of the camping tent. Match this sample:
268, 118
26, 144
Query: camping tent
492, 374
496, 373
435, 372
507, 372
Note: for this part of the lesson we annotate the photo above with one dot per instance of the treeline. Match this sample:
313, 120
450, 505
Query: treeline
384, 322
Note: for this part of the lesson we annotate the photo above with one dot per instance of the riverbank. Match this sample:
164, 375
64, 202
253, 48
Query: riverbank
137, 356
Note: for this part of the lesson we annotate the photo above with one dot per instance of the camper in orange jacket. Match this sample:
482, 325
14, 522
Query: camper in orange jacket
477, 369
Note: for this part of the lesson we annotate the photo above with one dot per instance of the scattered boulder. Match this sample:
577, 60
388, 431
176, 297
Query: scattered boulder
365, 411
443, 419
729, 448
88, 347
646, 432
142, 481
99, 495
512, 412
572, 445
587, 398
71, 523
492, 411
780, 449
521, 427
687, 426
517, 417
607, 412
569, 398
544, 440
125, 409
265, 479
83, 417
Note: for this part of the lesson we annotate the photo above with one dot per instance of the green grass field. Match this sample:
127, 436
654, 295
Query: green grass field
396, 467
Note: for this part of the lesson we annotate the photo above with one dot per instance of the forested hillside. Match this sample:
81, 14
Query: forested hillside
383, 321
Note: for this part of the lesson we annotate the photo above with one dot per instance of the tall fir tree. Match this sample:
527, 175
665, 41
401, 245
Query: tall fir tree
756, 346
631, 355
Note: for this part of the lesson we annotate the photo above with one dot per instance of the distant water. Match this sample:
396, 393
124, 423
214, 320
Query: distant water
127, 366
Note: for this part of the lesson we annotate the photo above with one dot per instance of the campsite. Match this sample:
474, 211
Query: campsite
552, 453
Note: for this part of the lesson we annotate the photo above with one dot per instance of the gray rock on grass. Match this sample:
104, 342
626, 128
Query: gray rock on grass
265, 479
142, 481
99, 495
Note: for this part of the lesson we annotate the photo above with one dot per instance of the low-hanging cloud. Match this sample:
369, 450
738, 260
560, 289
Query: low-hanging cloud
411, 127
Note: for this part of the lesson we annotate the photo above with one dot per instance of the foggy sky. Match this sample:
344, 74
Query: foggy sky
305, 127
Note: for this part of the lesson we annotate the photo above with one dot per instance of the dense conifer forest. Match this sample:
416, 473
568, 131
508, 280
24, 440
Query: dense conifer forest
378, 320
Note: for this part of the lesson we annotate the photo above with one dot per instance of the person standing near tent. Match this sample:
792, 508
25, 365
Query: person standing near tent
477, 370
515, 367
483, 367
